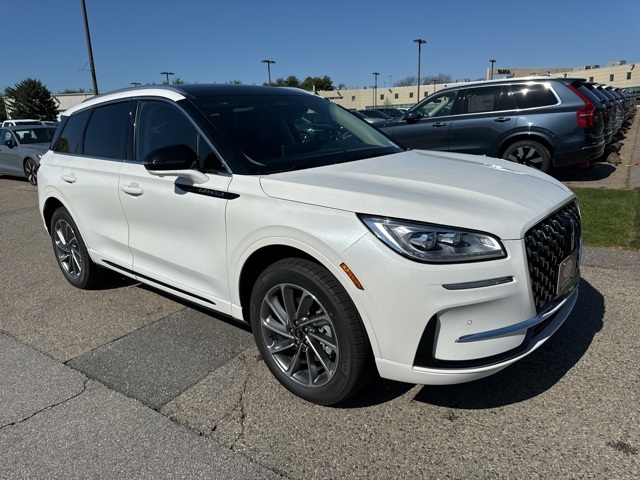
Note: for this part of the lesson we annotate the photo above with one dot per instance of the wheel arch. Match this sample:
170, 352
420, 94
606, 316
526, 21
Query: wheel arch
50, 206
521, 137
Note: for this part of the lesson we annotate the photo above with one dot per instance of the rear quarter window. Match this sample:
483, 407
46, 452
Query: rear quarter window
534, 95
71, 136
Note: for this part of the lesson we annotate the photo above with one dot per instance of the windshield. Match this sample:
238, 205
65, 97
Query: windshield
27, 136
290, 131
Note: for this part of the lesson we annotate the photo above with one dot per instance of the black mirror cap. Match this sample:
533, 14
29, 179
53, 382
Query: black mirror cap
9, 144
173, 157
412, 116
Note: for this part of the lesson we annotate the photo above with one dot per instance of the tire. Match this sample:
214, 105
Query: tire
31, 171
71, 252
530, 153
309, 333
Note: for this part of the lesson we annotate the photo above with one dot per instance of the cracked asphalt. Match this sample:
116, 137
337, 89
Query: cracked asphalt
127, 382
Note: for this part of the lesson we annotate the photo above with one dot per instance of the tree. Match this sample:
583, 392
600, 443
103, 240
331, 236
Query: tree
74, 90
235, 82
3, 111
412, 80
317, 83
178, 81
290, 81
31, 99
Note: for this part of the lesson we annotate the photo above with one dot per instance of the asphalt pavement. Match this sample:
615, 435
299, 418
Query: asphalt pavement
125, 382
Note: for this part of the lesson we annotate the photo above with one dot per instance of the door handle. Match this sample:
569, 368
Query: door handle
69, 178
132, 189
502, 119
439, 124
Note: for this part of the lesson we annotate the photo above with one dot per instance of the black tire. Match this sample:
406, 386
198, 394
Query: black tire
31, 170
309, 333
71, 252
530, 153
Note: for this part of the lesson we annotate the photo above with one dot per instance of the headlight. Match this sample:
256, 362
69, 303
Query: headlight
434, 243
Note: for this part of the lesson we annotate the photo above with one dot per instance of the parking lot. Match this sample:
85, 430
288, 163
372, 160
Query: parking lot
126, 381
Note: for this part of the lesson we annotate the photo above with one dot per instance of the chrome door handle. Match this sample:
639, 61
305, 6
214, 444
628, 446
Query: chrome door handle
502, 119
69, 178
439, 124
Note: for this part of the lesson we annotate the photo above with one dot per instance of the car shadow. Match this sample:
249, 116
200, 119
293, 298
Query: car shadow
534, 374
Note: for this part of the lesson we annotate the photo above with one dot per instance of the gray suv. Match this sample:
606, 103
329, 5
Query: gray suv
538, 121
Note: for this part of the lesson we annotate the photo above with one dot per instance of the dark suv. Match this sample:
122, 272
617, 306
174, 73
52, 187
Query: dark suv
538, 121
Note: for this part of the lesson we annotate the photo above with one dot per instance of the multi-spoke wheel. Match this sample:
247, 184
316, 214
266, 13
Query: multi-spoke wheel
71, 252
31, 171
532, 154
308, 332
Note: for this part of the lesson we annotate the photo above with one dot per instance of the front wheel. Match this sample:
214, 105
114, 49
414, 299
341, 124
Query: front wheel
71, 252
309, 332
530, 153
31, 171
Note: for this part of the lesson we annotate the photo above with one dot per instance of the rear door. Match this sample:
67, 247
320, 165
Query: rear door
10, 161
487, 115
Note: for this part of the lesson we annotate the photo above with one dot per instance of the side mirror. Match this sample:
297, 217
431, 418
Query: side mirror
179, 160
412, 117
9, 143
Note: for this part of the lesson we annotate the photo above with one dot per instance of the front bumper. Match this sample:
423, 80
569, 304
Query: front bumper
425, 333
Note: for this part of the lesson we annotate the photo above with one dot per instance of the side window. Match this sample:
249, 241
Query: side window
106, 134
484, 99
162, 125
5, 136
70, 139
534, 95
438, 106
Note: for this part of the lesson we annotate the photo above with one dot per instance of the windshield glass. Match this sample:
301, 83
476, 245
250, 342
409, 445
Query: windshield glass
290, 131
27, 136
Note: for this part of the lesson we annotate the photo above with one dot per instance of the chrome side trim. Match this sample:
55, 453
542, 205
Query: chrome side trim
511, 329
479, 284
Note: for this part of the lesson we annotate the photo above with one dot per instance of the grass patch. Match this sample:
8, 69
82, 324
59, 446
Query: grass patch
610, 218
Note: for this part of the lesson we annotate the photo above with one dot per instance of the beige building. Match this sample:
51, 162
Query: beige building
619, 74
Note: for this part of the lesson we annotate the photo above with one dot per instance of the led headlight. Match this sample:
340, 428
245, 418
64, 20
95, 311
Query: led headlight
434, 243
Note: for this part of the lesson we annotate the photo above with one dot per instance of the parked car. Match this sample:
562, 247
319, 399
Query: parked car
376, 114
392, 112
15, 123
340, 252
21, 148
541, 122
369, 120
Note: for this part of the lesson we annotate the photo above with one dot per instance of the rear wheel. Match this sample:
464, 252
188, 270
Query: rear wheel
31, 171
309, 332
530, 153
71, 252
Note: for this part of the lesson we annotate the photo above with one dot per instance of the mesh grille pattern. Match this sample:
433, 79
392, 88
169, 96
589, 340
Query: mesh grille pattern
548, 243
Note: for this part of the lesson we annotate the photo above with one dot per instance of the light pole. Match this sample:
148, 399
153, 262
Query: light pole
86, 31
420, 42
268, 62
167, 74
375, 88
136, 84
492, 62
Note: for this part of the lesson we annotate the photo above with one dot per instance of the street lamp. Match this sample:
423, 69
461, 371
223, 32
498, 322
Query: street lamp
420, 42
375, 88
167, 74
268, 62
492, 62
136, 84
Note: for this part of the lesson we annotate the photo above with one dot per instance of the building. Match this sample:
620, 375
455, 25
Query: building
618, 74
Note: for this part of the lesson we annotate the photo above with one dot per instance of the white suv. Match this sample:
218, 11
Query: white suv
281, 209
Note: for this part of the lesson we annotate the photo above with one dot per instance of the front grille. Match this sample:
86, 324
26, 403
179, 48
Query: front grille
548, 243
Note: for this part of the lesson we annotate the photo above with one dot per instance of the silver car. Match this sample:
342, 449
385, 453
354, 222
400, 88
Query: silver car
21, 148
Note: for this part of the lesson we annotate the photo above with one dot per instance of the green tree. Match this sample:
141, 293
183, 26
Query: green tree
3, 111
290, 81
31, 99
317, 83
235, 82
178, 81
74, 90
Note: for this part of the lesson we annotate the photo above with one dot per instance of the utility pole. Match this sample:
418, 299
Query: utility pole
86, 31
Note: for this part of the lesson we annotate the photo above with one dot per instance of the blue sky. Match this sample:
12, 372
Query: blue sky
219, 41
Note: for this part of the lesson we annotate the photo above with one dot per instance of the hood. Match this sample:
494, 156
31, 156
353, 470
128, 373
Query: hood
467, 191
34, 148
